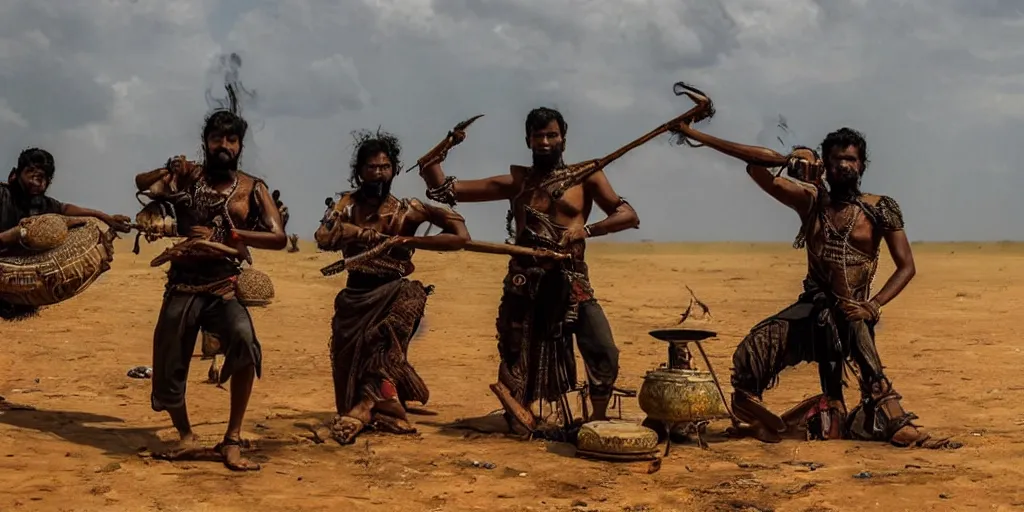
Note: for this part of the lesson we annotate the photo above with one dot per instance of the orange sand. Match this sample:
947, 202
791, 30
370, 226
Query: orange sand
950, 342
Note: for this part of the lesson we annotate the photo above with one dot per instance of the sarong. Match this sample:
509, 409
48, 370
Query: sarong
374, 321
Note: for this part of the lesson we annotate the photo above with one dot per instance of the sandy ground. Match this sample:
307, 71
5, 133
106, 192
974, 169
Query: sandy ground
950, 343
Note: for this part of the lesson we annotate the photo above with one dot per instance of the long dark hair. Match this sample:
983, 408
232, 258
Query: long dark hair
368, 144
35, 157
843, 138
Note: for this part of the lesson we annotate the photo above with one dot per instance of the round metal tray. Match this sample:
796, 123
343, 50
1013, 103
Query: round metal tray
671, 335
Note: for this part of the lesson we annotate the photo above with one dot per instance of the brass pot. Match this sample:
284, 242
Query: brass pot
680, 396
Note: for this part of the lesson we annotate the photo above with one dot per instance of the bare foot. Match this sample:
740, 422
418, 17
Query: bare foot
391, 408
944, 443
913, 436
231, 451
755, 430
393, 425
522, 419
186, 448
515, 427
344, 429
319, 433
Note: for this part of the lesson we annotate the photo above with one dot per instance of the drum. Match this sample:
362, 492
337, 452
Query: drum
49, 277
620, 441
254, 288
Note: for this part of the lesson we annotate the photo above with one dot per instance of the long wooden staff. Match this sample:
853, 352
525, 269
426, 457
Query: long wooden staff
471, 246
704, 109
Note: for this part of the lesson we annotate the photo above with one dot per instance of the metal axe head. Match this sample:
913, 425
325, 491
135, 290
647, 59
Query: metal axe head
459, 127
465, 124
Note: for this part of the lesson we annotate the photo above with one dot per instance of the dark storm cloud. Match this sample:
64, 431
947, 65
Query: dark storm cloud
936, 86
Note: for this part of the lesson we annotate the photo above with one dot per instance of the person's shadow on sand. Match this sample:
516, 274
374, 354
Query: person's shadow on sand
73, 426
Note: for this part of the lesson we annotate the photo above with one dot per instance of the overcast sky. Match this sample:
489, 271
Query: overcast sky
116, 87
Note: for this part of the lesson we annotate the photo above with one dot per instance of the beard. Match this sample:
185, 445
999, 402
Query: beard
18, 191
844, 183
375, 190
33, 203
220, 161
547, 161
27, 187
26, 194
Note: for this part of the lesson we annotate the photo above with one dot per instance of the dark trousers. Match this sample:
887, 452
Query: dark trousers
597, 348
593, 337
181, 317
810, 330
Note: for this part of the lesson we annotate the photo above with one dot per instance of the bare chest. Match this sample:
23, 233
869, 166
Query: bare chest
228, 201
571, 205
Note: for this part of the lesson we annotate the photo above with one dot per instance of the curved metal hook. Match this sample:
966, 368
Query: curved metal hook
697, 96
702, 100
465, 124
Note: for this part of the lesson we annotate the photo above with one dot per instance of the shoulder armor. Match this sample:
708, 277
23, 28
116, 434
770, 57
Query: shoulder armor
888, 216
435, 212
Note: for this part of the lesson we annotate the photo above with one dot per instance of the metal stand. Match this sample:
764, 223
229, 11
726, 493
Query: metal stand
694, 428
680, 358
718, 385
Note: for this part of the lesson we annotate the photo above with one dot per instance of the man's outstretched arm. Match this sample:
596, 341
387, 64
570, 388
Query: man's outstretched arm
798, 196
449, 190
117, 222
10, 238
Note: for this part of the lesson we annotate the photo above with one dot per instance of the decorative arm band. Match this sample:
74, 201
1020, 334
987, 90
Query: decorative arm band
445, 192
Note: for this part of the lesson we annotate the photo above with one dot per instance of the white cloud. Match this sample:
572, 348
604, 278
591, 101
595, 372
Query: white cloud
117, 86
